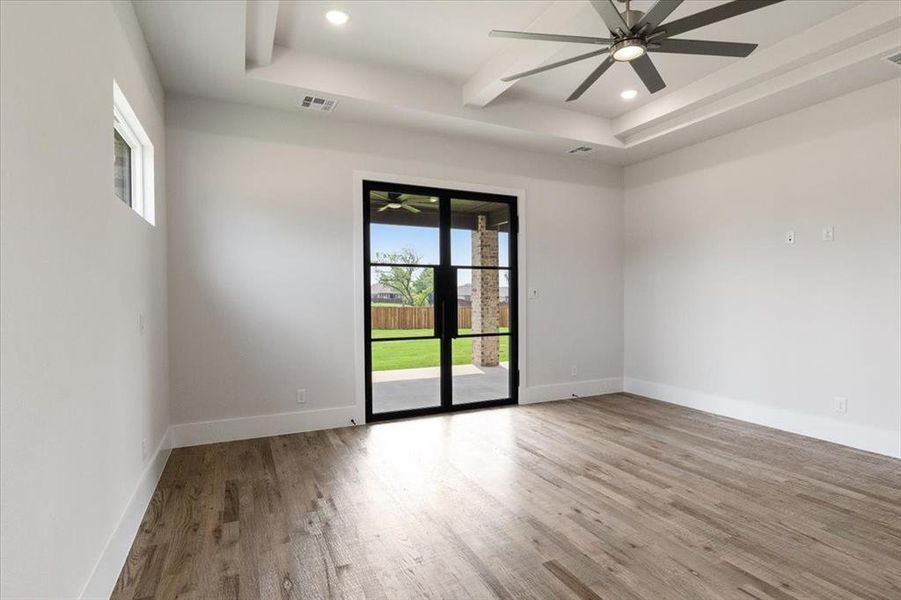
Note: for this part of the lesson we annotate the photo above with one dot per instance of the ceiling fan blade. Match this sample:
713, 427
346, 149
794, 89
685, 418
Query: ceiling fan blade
655, 16
382, 209
595, 75
678, 46
611, 15
554, 65
713, 15
549, 37
412, 209
648, 73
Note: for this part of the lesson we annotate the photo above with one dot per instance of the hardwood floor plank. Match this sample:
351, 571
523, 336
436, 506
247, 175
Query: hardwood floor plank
581, 590
616, 497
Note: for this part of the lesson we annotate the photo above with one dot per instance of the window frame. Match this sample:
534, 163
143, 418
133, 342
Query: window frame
127, 125
134, 157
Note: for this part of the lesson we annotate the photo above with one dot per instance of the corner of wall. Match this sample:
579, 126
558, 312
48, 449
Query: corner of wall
106, 571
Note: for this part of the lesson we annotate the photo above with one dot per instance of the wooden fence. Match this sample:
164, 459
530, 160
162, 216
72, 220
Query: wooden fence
421, 317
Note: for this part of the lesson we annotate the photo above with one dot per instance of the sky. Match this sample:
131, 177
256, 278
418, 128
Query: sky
424, 240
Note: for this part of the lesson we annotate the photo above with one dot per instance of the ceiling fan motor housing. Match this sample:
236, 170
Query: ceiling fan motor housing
632, 17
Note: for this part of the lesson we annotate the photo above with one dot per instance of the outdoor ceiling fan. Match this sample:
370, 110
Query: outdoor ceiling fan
636, 33
395, 200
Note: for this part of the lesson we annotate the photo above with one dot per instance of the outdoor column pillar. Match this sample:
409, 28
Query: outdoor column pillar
485, 295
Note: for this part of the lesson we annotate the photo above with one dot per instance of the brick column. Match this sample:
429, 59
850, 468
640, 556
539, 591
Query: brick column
485, 293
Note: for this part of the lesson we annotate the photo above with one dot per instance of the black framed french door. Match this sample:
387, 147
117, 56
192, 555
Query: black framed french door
440, 285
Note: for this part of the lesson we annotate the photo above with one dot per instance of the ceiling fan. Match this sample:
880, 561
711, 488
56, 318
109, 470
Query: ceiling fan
635, 34
395, 200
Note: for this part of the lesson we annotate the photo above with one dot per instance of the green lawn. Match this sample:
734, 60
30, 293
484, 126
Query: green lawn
412, 354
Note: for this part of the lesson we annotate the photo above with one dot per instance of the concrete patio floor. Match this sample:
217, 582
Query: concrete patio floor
406, 389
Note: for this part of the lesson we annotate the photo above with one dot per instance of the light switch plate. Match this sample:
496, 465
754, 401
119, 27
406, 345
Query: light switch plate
841, 404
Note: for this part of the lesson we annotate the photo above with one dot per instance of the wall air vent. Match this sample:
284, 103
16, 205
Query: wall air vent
580, 150
895, 58
311, 102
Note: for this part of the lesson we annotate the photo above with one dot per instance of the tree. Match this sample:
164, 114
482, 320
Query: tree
423, 287
414, 284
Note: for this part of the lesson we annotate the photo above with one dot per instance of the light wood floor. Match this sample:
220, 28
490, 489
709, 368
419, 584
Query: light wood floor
611, 497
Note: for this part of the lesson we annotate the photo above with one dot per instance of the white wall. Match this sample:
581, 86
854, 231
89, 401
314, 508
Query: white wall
722, 314
262, 287
80, 387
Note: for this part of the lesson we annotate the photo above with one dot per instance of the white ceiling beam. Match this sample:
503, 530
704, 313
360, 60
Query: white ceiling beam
262, 16
391, 87
574, 18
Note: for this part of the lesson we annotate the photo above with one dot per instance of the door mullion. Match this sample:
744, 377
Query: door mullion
447, 300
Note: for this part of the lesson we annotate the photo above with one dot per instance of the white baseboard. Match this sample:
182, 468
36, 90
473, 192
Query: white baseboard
862, 437
245, 428
563, 391
106, 571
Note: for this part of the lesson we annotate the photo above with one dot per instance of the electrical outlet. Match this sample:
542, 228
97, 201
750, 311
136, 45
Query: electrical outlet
841, 404
828, 233
144, 449
573, 371
790, 237
141, 323
301, 396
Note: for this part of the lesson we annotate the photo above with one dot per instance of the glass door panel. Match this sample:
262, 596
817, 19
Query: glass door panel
481, 255
481, 369
402, 302
406, 375
483, 301
403, 228
480, 233
404, 348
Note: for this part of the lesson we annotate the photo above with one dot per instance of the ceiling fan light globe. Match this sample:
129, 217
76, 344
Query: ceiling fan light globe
627, 50
394, 205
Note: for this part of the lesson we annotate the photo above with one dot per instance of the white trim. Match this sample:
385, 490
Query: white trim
570, 389
109, 565
126, 122
863, 437
257, 426
359, 309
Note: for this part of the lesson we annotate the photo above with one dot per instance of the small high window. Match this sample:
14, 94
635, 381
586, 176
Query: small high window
132, 159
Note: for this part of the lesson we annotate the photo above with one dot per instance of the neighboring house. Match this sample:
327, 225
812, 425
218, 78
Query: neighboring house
382, 293
464, 294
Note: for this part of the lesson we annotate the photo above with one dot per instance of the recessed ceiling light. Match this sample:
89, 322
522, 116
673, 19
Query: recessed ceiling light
628, 94
337, 17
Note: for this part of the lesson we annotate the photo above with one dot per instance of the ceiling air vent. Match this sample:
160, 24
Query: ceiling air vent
580, 150
311, 102
895, 58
